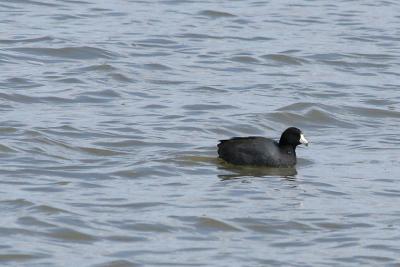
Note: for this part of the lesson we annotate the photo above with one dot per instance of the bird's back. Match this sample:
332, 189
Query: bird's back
250, 151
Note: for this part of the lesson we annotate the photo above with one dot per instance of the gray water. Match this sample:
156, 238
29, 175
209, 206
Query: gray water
111, 112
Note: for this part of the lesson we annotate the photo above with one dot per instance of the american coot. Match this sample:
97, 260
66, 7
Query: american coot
262, 151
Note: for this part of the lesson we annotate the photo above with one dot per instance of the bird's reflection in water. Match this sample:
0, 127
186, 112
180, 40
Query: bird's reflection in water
237, 172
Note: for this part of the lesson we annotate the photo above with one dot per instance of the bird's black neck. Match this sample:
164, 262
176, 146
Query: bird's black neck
287, 148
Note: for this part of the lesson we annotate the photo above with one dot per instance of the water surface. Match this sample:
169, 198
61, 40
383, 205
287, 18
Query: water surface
111, 112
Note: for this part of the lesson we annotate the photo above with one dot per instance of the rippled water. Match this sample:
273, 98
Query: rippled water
111, 112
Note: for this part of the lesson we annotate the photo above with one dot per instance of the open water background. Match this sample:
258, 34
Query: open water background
111, 112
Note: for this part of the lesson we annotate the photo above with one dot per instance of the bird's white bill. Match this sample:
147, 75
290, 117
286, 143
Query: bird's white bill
303, 140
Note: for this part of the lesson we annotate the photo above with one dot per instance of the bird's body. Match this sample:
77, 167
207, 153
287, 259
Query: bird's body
261, 151
256, 150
